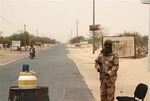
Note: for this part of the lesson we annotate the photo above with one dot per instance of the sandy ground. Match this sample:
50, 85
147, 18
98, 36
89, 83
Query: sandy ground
131, 71
7, 55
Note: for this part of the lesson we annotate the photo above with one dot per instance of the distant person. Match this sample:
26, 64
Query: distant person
32, 51
107, 64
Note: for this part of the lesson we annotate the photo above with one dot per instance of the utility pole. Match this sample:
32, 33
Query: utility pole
25, 42
93, 24
71, 38
37, 35
37, 43
77, 30
43, 39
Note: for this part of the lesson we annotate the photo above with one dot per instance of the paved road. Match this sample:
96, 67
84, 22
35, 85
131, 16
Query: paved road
55, 70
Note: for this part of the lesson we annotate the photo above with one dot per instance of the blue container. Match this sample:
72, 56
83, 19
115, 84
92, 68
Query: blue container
25, 68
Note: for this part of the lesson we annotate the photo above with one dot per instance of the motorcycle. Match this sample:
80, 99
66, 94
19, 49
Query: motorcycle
31, 54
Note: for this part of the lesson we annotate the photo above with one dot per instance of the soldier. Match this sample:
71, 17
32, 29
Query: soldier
107, 64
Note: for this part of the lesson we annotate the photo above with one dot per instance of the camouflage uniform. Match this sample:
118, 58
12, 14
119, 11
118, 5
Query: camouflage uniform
109, 65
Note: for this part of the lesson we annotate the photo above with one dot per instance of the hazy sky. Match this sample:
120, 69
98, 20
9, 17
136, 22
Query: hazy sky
56, 18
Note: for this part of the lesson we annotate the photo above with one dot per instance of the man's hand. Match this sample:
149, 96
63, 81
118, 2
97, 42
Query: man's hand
98, 69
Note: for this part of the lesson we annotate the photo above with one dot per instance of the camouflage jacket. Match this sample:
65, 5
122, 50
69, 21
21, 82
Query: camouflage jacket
110, 63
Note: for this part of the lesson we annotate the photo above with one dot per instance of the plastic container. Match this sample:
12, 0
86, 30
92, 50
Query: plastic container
27, 79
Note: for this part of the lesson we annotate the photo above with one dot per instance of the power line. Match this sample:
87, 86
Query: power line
85, 8
15, 24
24, 26
30, 29
10, 22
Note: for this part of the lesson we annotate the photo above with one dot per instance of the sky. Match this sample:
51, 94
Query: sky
58, 18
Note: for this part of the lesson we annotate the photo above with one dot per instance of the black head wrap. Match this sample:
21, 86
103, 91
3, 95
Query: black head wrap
107, 47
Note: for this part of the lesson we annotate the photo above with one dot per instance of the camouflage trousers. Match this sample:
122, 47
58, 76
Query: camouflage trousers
107, 89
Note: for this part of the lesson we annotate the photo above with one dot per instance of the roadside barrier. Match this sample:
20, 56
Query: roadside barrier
38, 93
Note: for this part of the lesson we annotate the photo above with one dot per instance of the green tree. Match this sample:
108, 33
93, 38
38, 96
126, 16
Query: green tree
26, 39
98, 36
141, 41
1, 39
74, 40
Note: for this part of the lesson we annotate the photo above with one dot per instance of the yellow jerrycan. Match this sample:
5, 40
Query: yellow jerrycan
27, 78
